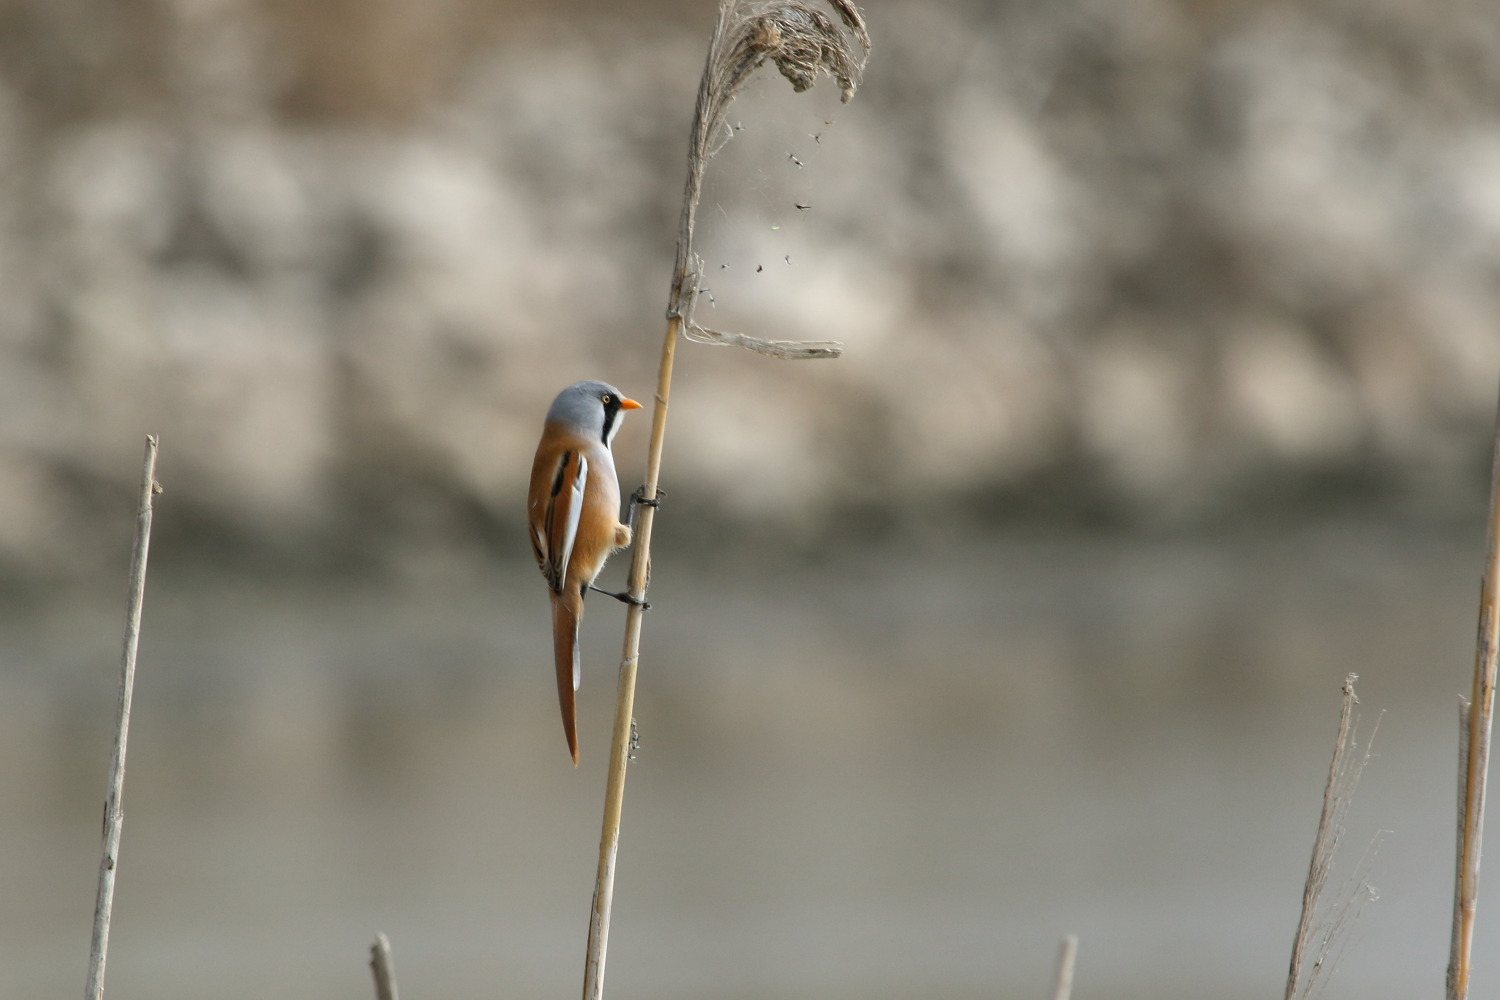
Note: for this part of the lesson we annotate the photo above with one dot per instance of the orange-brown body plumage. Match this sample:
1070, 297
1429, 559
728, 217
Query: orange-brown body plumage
573, 507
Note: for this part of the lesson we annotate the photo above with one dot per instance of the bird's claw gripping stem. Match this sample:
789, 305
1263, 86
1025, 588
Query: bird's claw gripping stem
623, 597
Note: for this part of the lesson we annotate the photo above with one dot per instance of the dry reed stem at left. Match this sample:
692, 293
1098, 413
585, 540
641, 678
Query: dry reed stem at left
114, 816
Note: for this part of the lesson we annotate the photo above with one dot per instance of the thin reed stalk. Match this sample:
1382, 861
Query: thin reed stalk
1062, 984
803, 42
383, 968
1476, 721
114, 817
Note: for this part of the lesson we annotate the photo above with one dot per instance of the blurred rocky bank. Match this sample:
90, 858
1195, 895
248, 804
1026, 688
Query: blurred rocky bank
1151, 261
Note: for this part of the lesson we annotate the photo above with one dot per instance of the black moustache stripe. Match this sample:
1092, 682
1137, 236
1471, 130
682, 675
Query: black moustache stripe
611, 414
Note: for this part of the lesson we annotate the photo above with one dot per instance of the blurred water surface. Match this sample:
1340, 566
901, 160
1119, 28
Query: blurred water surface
904, 772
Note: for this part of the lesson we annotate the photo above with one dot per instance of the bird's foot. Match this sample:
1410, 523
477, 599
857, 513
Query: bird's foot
638, 498
623, 598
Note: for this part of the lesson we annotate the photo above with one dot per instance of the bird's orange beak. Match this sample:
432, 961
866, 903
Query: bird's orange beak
626, 403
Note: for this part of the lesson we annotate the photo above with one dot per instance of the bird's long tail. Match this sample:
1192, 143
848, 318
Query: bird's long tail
565, 618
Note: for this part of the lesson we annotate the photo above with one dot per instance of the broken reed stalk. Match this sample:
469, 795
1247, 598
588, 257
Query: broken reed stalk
1476, 719
114, 817
1062, 986
1338, 791
803, 42
1324, 843
1451, 984
383, 968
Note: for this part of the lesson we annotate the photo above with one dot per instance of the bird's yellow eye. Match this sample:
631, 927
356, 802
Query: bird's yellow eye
606, 399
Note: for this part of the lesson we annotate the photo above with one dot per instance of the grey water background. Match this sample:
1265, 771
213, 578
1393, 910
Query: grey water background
1167, 401
903, 771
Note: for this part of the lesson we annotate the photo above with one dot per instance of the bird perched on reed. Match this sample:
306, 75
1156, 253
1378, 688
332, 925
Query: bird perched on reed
573, 508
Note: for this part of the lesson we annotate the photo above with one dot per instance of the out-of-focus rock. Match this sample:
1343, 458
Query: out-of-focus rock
1156, 259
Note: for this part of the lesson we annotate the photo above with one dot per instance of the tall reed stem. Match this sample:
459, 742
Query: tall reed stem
619, 750
803, 42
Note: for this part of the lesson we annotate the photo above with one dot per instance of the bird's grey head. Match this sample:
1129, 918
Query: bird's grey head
591, 408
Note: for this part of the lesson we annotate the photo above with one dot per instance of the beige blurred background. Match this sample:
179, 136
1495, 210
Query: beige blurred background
1170, 378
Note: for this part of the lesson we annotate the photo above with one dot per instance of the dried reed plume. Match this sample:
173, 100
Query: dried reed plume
803, 42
